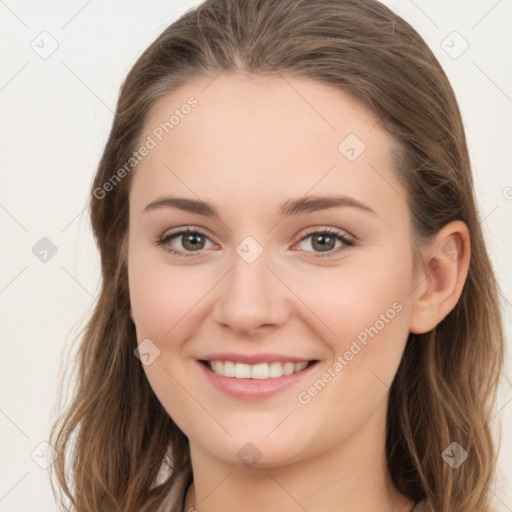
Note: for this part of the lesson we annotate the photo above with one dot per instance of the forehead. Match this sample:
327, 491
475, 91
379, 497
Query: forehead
264, 136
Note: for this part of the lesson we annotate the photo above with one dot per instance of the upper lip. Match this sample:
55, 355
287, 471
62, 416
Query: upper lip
253, 358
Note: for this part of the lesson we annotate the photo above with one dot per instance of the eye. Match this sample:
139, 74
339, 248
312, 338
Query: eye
192, 240
325, 241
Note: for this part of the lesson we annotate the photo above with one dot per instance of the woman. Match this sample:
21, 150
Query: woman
297, 310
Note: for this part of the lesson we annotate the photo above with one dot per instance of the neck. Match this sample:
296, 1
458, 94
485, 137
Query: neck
352, 477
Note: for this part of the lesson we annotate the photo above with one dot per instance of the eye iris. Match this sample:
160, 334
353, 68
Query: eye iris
327, 242
194, 239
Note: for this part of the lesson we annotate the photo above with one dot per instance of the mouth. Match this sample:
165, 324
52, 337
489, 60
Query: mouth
255, 381
260, 371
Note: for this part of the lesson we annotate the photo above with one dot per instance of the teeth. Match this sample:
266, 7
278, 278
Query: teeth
275, 369
260, 371
288, 368
257, 371
228, 368
242, 371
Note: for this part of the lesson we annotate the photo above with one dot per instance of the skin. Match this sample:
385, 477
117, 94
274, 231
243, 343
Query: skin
251, 144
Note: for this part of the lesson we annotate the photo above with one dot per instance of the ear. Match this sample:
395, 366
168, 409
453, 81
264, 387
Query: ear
131, 314
440, 281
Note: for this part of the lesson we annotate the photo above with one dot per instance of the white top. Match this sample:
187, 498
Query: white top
422, 507
174, 501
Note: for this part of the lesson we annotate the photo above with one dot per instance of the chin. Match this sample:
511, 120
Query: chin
257, 453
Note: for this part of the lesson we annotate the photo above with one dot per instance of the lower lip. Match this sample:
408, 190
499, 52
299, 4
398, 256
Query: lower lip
254, 388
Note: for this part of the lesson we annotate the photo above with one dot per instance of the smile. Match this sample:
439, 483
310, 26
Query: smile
259, 371
254, 381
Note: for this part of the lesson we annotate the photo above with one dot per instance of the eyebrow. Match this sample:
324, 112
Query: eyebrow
291, 207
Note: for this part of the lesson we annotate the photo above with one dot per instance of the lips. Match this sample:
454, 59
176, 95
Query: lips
254, 376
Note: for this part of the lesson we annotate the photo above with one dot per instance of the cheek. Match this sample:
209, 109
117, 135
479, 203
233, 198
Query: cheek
162, 300
366, 311
162, 297
370, 324
348, 301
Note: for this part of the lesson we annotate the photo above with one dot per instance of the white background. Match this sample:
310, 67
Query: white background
55, 116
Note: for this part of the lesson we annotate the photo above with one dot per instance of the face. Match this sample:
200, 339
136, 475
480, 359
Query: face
264, 279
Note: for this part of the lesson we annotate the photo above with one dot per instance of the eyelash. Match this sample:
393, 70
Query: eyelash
184, 254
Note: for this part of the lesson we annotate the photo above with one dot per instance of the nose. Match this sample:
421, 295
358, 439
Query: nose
251, 298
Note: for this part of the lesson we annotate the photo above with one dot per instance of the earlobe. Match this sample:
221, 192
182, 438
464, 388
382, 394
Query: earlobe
440, 282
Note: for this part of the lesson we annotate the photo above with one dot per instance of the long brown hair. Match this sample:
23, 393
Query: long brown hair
119, 449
